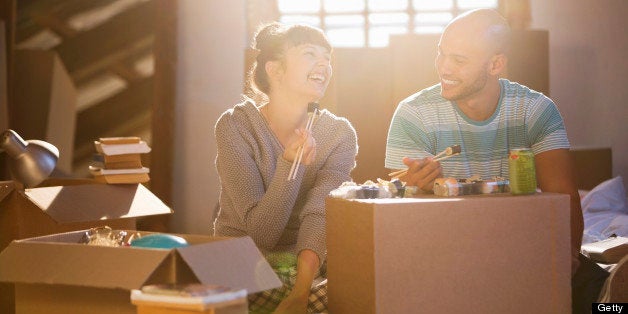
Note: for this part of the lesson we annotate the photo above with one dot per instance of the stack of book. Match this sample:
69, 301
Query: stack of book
189, 298
118, 160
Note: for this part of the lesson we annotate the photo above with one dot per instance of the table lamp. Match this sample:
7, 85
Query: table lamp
30, 162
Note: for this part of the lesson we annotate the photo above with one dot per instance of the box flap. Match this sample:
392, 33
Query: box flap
92, 202
94, 266
232, 262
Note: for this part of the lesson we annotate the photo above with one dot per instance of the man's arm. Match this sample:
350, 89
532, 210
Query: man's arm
555, 173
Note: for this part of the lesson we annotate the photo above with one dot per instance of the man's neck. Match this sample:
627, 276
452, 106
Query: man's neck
481, 106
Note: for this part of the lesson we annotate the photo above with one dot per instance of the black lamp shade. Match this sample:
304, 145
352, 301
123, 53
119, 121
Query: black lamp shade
30, 162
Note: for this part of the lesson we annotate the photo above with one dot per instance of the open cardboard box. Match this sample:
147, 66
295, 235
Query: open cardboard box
473, 254
54, 209
57, 274
74, 205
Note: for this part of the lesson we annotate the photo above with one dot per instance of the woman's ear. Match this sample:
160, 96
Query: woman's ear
273, 69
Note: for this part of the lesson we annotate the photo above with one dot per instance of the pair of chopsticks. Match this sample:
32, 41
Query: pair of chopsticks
312, 110
447, 153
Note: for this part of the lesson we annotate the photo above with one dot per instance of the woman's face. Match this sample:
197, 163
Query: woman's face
306, 71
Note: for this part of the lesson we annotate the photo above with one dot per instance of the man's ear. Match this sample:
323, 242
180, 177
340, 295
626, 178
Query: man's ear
498, 64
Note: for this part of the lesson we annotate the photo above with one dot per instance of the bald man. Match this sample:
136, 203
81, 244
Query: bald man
486, 115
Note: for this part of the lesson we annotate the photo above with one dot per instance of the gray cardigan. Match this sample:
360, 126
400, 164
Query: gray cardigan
257, 200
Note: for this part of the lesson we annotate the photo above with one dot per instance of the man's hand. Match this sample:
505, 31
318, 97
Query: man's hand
422, 173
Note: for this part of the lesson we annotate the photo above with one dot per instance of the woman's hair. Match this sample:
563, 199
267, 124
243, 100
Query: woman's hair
271, 40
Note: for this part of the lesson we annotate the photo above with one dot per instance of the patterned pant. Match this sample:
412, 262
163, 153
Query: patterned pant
266, 301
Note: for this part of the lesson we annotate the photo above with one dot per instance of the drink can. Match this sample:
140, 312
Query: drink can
521, 171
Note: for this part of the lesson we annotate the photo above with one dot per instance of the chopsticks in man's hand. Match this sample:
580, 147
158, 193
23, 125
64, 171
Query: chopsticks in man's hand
447, 153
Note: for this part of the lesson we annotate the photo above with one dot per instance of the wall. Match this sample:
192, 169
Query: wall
211, 42
588, 71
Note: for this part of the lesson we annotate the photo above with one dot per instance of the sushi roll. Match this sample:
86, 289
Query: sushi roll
446, 187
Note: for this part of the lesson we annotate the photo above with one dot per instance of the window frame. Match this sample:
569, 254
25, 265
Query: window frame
410, 11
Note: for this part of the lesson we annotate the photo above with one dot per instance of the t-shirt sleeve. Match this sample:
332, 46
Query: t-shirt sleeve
407, 137
546, 128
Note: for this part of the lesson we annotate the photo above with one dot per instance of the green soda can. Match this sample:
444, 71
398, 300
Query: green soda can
522, 171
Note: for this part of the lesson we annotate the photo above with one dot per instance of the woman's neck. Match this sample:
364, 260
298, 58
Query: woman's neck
284, 119
286, 113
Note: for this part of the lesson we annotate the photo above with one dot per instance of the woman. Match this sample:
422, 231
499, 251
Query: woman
257, 145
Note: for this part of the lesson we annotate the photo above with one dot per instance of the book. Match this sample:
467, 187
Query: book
123, 178
122, 149
99, 161
608, 251
110, 159
189, 296
184, 290
120, 176
102, 172
120, 140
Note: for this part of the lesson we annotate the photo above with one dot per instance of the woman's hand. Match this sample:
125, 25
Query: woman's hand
305, 139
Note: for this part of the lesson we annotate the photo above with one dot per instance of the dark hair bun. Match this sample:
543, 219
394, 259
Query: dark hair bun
265, 35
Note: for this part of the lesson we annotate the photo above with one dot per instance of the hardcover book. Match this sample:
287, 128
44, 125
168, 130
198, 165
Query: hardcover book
607, 251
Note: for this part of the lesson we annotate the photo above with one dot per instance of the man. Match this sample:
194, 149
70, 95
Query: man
485, 115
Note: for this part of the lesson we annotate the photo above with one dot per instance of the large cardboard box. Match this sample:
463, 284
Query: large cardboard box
57, 274
76, 205
54, 209
473, 254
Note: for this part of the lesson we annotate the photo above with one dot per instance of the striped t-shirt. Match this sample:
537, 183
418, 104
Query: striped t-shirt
425, 124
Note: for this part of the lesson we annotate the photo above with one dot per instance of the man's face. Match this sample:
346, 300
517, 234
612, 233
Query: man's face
462, 64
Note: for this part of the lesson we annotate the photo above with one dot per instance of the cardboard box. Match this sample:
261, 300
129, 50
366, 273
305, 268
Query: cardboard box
56, 274
76, 205
473, 254
54, 209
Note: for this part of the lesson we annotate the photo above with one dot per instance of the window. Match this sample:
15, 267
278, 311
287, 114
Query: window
369, 23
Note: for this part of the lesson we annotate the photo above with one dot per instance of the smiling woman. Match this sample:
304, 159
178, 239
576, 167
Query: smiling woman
359, 23
278, 160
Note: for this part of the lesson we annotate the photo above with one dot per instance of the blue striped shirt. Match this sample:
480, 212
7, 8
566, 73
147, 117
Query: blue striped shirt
425, 124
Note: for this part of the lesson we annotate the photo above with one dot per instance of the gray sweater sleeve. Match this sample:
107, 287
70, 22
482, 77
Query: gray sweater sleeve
335, 170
